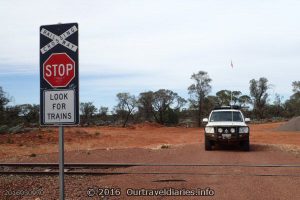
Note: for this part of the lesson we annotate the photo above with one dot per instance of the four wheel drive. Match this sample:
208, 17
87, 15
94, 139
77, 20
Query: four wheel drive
226, 125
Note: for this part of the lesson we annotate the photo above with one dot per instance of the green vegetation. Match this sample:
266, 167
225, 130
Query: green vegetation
164, 106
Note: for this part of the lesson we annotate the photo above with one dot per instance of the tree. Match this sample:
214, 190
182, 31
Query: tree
30, 113
292, 105
244, 100
102, 116
145, 102
227, 97
4, 100
126, 105
210, 103
103, 111
296, 86
235, 96
198, 91
165, 101
11, 114
87, 110
278, 106
224, 97
259, 93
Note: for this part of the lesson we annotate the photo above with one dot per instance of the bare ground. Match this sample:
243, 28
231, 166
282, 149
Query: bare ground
45, 140
154, 144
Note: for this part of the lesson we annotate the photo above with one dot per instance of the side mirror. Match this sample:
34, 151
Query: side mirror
205, 120
247, 120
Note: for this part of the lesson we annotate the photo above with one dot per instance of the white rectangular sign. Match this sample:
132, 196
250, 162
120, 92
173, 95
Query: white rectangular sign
59, 106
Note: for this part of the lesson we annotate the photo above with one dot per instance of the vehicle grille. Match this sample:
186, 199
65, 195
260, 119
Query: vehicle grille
226, 130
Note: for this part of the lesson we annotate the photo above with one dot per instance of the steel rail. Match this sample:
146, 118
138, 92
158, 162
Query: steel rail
51, 173
99, 165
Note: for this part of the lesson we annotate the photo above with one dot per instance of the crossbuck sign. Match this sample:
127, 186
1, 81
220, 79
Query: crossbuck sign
59, 88
61, 39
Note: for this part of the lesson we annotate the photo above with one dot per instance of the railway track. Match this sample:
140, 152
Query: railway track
108, 169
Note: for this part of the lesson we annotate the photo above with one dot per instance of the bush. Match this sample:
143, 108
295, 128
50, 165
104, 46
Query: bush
10, 140
16, 129
165, 146
97, 133
4, 129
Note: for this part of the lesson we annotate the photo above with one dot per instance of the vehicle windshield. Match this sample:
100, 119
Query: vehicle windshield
226, 116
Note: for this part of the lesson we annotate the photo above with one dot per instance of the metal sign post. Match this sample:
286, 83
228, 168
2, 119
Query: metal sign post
61, 164
59, 83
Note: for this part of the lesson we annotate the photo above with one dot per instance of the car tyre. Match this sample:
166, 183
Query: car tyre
246, 145
208, 146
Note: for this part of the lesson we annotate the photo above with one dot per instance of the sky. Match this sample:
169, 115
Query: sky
139, 45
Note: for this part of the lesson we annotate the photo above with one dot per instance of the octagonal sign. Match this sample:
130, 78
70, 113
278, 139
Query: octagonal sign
59, 70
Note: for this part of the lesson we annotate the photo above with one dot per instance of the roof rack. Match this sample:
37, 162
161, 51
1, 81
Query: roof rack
236, 107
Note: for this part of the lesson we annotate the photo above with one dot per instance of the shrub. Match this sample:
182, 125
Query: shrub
97, 133
4, 129
16, 129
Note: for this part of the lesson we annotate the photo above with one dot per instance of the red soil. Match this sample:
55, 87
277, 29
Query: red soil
146, 135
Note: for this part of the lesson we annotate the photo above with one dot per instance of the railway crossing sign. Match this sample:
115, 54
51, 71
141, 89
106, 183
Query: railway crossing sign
59, 85
55, 39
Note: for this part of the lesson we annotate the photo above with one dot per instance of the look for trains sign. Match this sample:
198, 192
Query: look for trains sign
59, 88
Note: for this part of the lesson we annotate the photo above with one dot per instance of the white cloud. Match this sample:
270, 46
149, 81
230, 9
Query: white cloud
162, 42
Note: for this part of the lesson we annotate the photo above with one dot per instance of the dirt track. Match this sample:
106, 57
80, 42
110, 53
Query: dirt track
142, 145
226, 182
142, 136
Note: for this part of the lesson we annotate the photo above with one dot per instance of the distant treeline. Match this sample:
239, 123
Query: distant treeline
167, 107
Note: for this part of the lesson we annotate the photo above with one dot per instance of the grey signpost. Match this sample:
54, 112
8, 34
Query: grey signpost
61, 163
59, 82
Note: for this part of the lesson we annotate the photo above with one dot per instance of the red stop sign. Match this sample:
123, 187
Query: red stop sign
59, 70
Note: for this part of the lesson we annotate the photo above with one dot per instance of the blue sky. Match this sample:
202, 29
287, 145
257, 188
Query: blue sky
140, 45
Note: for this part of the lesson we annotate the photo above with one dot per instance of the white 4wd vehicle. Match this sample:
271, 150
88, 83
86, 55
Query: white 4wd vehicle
226, 125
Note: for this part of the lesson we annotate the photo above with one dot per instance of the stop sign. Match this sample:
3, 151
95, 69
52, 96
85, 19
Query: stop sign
59, 70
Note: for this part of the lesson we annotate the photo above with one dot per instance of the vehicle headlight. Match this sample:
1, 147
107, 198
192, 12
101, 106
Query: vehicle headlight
244, 129
232, 130
220, 130
209, 130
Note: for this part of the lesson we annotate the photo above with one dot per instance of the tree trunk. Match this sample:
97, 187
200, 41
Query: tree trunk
161, 121
155, 117
200, 113
127, 117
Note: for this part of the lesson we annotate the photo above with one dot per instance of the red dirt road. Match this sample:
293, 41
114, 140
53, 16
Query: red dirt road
142, 145
143, 136
225, 182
